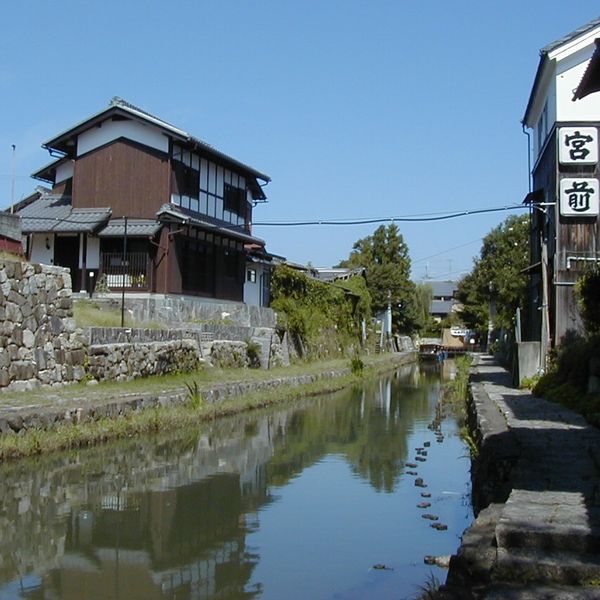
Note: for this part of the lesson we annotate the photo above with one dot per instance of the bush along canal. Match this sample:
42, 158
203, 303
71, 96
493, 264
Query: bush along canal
340, 496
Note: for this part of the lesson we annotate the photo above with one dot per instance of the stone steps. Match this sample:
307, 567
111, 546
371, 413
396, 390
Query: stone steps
541, 566
540, 592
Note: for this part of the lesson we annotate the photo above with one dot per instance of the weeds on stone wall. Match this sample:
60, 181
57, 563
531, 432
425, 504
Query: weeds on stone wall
573, 377
322, 319
193, 395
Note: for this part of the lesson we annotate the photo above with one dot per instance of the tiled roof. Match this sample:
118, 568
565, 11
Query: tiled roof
171, 210
570, 36
118, 105
135, 228
443, 288
55, 213
439, 307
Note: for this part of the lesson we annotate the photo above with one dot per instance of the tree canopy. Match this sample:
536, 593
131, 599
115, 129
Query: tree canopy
384, 255
497, 276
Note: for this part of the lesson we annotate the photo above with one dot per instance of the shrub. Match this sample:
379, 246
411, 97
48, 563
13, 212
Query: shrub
253, 351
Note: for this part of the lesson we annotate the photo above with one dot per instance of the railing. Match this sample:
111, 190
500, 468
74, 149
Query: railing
131, 273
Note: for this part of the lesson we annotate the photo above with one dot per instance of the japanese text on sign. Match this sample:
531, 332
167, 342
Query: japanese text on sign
579, 197
578, 145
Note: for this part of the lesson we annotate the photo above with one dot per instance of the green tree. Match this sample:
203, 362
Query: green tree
497, 278
384, 255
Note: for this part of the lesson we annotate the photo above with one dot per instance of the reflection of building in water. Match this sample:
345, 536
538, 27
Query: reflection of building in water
155, 517
156, 544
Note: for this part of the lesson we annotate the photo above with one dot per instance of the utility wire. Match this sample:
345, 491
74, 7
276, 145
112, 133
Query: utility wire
406, 219
365, 221
445, 251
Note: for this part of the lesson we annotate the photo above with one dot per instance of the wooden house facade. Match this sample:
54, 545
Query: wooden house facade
145, 206
565, 176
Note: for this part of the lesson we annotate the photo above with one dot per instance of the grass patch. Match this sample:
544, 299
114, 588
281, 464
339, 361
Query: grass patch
68, 436
89, 313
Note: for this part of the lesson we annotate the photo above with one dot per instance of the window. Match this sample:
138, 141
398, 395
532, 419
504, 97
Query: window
186, 181
234, 200
251, 275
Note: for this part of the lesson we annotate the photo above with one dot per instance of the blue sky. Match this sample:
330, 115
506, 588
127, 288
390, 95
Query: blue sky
355, 109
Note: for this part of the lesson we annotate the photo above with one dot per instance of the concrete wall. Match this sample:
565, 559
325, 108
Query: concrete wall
528, 360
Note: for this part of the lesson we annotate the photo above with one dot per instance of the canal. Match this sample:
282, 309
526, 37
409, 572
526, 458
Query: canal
310, 500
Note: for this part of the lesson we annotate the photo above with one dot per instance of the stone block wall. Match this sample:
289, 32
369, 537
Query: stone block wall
121, 362
41, 346
38, 340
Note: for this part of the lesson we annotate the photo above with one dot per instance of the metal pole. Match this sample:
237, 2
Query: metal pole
12, 179
124, 264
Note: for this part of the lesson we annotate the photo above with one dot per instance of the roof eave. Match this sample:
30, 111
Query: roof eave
541, 69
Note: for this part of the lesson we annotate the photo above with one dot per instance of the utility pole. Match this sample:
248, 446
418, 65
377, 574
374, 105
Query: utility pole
13, 177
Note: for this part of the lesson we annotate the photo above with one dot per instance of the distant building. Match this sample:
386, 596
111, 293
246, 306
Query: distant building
564, 200
337, 274
443, 302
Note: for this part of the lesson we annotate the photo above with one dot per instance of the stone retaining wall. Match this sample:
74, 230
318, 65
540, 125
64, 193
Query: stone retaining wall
38, 340
121, 362
79, 410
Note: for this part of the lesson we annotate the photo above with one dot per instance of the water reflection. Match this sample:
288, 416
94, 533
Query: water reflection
170, 517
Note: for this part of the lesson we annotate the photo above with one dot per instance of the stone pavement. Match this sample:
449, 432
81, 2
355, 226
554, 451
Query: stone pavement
537, 480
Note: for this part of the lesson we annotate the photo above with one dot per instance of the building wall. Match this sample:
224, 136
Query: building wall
38, 253
207, 197
131, 179
108, 131
64, 171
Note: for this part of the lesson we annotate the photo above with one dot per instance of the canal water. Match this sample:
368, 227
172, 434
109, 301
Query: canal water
311, 500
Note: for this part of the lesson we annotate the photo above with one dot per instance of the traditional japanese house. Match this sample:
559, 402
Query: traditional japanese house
142, 205
563, 200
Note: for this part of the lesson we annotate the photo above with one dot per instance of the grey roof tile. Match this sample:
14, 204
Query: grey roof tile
135, 228
51, 213
571, 36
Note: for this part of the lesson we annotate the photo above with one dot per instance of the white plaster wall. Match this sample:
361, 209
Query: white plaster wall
93, 254
39, 252
64, 171
569, 74
252, 289
111, 130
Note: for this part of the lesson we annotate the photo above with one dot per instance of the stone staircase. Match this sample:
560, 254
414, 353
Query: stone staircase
544, 540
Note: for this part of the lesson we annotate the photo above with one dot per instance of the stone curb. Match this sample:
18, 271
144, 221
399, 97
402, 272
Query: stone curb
21, 419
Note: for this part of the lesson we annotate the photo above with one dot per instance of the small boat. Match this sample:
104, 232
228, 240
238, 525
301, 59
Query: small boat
432, 352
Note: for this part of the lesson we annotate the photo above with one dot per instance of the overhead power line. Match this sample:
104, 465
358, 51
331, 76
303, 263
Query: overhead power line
400, 219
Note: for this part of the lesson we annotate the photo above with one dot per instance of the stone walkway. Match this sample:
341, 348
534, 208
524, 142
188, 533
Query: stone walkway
539, 471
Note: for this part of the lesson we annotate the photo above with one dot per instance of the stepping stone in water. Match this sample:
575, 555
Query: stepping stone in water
411, 473
424, 453
420, 458
419, 449
381, 567
419, 483
424, 505
425, 494
439, 526
426, 444
430, 517
411, 465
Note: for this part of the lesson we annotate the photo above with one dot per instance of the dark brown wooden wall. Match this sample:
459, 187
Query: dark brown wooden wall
131, 179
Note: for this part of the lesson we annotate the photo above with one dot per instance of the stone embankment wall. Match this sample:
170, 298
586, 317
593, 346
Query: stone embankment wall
121, 362
41, 346
39, 343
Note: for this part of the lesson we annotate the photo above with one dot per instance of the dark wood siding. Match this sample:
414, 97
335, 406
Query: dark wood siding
64, 188
576, 240
132, 179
